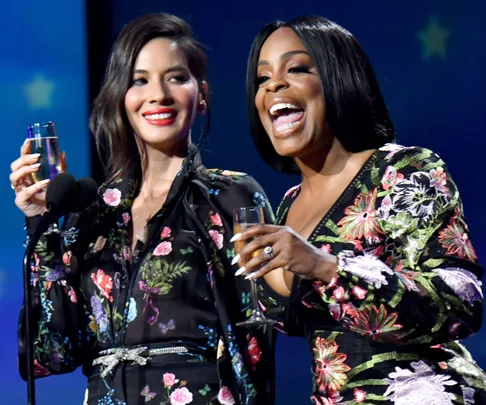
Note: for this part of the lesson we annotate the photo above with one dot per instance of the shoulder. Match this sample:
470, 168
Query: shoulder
228, 183
413, 157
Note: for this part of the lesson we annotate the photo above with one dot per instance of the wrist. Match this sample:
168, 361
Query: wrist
326, 269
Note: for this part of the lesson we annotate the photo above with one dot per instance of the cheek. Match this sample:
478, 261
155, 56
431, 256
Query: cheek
132, 101
259, 104
187, 97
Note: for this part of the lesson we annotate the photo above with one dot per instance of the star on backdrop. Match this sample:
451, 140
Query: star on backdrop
433, 38
39, 92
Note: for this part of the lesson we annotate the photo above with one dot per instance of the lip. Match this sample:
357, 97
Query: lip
161, 122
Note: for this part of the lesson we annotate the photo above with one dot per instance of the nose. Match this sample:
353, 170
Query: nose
276, 84
160, 94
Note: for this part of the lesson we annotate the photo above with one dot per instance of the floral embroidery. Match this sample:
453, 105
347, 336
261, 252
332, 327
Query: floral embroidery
163, 249
422, 385
360, 220
181, 396
456, 241
375, 323
330, 365
253, 350
217, 238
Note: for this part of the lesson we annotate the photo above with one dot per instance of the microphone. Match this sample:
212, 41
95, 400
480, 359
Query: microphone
64, 194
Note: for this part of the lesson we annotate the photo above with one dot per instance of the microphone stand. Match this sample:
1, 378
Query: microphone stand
42, 226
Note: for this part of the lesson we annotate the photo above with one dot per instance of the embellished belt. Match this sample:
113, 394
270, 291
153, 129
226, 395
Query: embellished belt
110, 358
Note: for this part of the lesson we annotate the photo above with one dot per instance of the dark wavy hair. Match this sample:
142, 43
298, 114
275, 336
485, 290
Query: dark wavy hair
109, 122
356, 113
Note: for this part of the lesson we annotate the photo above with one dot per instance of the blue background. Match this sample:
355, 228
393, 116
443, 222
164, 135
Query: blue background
429, 57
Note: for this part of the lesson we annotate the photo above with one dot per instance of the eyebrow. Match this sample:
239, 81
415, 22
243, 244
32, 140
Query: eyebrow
177, 68
285, 56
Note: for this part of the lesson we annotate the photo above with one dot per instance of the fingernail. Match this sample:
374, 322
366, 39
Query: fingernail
235, 260
35, 155
35, 165
250, 276
235, 237
45, 181
240, 271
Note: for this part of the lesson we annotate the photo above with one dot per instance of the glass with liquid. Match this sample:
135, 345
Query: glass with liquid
244, 218
44, 140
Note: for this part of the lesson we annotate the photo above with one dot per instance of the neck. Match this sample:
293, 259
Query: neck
328, 164
160, 170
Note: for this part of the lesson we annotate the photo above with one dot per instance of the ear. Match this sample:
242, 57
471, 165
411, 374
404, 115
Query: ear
202, 106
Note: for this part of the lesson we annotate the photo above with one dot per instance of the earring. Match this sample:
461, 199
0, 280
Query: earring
202, 107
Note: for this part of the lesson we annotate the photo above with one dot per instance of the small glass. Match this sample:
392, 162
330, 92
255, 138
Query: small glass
44, 140
244, 218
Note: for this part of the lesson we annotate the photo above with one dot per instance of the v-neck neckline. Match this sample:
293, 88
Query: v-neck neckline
291, 196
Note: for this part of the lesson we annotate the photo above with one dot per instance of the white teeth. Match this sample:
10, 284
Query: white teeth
281, 106
163, 116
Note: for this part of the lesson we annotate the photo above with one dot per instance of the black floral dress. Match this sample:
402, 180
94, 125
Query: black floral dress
386, 329
156, 325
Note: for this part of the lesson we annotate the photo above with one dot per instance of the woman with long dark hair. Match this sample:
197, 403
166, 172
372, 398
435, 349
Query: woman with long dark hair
142, 292
372, 247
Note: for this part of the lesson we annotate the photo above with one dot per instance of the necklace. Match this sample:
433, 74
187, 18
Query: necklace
151, 209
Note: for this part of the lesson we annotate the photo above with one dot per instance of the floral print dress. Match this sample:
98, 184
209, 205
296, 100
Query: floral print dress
156, 325
386, 329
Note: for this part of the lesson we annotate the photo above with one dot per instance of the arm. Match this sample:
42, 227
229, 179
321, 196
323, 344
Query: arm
58, 309
425, 286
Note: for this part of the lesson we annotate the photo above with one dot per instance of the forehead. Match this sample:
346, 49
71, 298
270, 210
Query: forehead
280, 42
160, 52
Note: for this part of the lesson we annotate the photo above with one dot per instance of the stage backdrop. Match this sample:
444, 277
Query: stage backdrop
42, 77
429, 58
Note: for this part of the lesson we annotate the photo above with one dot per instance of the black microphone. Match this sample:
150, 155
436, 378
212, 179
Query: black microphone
64, 194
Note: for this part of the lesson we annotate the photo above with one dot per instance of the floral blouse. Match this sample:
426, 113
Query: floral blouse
385, 330
156, 325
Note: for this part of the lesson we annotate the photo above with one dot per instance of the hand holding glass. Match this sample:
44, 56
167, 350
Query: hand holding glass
244, 218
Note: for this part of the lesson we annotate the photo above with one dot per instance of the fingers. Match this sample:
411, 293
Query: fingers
24, 160
17, 176
26, 147
255, 230
25, 194
253, 248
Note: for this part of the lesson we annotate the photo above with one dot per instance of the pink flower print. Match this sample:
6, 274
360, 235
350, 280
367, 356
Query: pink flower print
112, 197
126, 217
72, 295
66, 258
339, 294
359, 292
181, 396
104, 282
439, 180
326, 248
359, 395
391, 178
254, 350
163, 249
170, 380
165, 232
217, 238
225, 397
216, 219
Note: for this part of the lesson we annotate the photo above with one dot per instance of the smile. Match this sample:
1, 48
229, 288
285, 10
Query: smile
286, 118
161, 117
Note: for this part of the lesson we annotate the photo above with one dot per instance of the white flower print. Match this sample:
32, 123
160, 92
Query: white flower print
421, 386
366, 267
464, 283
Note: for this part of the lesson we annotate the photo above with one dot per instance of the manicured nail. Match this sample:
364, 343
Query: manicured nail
250, 276
45, 181
235, 260
235, 237
35, 165
240, 271
34, 156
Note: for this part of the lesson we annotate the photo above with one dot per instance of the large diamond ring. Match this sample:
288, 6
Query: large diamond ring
268, 250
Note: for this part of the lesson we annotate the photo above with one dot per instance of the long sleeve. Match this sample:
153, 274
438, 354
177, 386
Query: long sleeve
58, 308
418, 280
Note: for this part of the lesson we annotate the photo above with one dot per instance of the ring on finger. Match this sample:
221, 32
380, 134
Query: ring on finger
268, 250
15, 187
